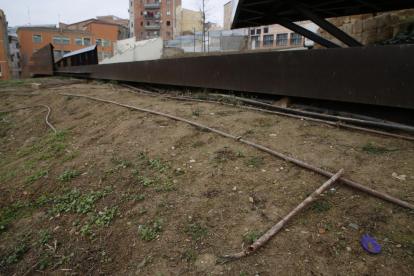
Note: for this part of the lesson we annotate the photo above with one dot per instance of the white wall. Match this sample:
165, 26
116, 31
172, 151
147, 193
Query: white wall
142, 50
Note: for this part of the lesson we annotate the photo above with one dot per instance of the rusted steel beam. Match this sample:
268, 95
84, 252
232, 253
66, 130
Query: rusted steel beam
379, 75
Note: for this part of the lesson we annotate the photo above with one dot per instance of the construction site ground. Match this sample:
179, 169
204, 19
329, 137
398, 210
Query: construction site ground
123, 192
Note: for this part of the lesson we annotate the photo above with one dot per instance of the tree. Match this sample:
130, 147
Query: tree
204, 7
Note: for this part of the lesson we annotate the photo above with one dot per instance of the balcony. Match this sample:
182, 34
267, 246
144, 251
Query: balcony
152, 16
152, 27
152, 6
151, 36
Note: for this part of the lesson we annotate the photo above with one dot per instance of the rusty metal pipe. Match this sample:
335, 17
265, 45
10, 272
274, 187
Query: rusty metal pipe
336, 124
293, 160
269, 234
47, 116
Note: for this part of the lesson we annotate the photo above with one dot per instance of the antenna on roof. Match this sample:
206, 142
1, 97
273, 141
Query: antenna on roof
28, 11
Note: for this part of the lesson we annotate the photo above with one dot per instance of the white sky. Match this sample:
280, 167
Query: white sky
71, 11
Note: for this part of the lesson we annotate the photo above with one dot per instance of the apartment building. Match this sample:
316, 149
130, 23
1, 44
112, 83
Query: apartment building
65, 40
155, 18
15, 56
123, 31
190, 21
5, 57
227, 16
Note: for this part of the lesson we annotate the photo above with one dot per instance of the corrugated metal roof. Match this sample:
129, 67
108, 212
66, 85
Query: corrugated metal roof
83, 50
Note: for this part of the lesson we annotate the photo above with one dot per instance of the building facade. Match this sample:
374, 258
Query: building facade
155, 18
114, 19
264, 37
190, 21
15, 56
65, 40
227, 16
5, 56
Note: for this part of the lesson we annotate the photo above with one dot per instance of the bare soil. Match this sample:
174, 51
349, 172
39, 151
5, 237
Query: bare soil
123, 192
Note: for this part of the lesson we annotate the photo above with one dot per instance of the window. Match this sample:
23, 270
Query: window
142, 23
99, 55
142, 34
141, 2
252, 32
148, 1
295, 39
57, 40
98, 41
256, 40
148, 23
66, 40
168, 12
168, 33
259, 31
57, 53
148, 34
18, 64
35, 50
86, 41
168, 2
141, 13
281, 39
168, 23
65, 52
18, 55
157, 1
37, 38
107, 54
268, 40
17, 44
266, 30
132, 34
78, 41
106, 43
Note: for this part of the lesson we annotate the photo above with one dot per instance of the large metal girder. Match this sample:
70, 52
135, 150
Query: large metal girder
41, 63
381, 75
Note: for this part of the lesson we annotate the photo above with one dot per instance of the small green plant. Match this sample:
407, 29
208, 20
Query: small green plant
135, 171
70, 156
374, 149
239, 153
106, 216
189, 256
45, 236
146, 182
378, 208
196, 229
69, 97
37, 175
149, 234
198, 144
319, 206
255, 162
42, 200
68, 175
147, 260
16, 254
66, 259
105, 259
196, 112
138, 198
45, 156
254, 236
202, 129
45, 262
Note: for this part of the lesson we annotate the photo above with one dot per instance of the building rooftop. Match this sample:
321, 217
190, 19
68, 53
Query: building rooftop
54, 30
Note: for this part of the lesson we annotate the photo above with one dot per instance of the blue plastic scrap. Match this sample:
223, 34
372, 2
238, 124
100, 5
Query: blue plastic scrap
370, 244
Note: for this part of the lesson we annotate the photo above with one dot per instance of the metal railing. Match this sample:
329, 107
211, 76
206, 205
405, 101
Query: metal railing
152, 6
153, 17
152, 27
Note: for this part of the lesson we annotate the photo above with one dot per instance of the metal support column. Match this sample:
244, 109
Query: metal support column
327, 26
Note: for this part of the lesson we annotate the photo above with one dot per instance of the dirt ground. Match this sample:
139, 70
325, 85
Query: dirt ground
122, 192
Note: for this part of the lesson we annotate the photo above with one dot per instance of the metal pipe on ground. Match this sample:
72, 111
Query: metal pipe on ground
269, 234
337, 124
293, 160
326, 117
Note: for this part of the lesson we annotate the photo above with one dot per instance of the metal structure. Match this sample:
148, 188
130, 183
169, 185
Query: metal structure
252, 13
370, 75
85, 56
41, 63
379, 75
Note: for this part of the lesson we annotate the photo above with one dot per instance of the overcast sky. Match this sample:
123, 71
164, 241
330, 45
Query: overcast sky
71, 11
